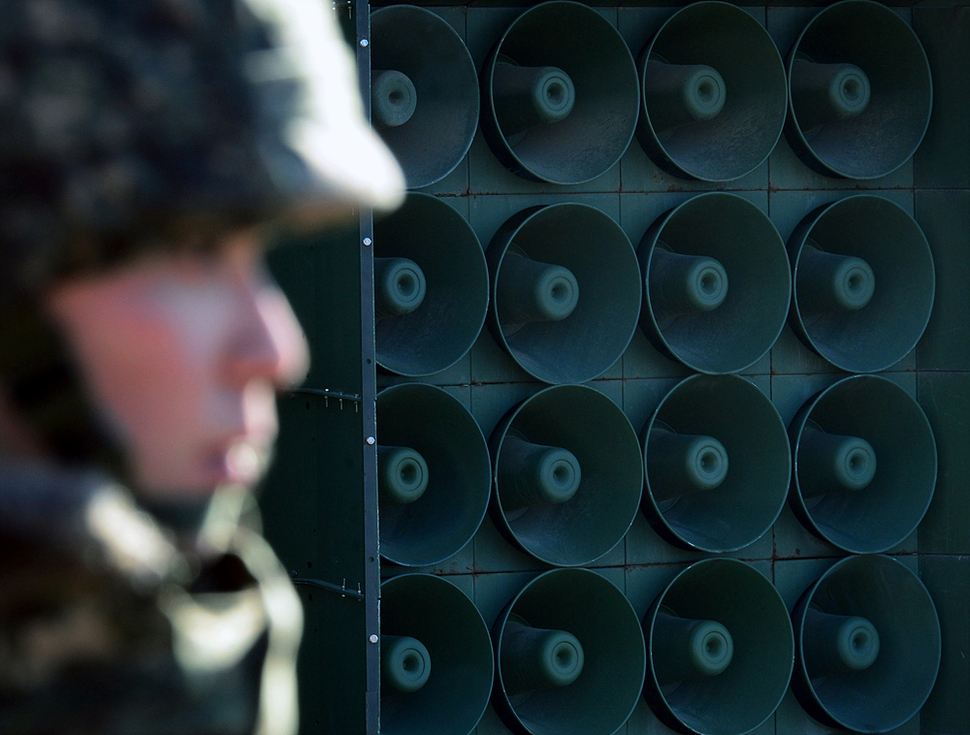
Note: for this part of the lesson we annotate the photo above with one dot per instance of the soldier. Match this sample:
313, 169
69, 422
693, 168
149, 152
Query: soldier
145, 146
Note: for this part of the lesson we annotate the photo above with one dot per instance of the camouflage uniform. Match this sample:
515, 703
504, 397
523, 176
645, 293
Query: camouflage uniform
134, 125
106, 626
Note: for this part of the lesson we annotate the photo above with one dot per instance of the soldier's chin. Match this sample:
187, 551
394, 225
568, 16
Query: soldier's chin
239, 467
242, 465
245, 464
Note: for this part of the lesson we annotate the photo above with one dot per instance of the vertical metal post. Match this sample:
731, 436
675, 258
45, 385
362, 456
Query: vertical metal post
371, 590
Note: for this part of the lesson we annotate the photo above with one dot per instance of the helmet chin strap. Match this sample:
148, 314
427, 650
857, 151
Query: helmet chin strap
183, 516
44, 389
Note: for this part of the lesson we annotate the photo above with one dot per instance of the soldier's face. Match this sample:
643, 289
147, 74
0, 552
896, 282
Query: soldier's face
184, 354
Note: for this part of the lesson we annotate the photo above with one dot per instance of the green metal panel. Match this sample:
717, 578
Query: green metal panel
314, 501
947, 580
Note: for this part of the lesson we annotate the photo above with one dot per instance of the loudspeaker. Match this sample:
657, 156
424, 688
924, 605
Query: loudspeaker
430, 287
424, 92
717, 283
559, 94
720, 647
714, 93
868, 645
570, 655
437, 664
717, 464
865, 464
860, 91
568, 475
864, 283
565, 291
434, 474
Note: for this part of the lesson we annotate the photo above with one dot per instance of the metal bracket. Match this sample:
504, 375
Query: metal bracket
328, 394
340, 589
344, 6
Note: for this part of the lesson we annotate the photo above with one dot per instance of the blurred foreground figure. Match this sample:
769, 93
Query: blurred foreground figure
145, 146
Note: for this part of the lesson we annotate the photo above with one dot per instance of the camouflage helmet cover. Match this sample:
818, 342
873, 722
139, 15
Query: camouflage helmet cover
130, 123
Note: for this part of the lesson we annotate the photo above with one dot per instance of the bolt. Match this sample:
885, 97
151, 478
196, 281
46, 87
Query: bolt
371, 441
364, 43
373, 638
368, 242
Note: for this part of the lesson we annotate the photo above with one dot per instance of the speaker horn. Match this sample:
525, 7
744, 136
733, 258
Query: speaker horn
717, 283
433, 484
560, 94
864, 283
721, 649
568, 475
714, 93
437, 664
565, 291
868, 645
424, 92
865, 464
717, 464
570, 654
860, 91
430, 287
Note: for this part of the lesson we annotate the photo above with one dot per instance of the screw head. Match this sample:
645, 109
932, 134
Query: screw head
371, 441
373, 638
367, 242
364, 43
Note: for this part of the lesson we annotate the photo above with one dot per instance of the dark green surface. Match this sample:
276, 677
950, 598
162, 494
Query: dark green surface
948, 582
945, 397
944, 215
313, 503
943, 160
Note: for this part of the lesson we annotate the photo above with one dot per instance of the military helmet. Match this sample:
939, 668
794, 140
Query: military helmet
132, 124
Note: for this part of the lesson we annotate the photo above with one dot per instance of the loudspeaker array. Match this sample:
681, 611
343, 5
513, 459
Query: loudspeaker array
710, 285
